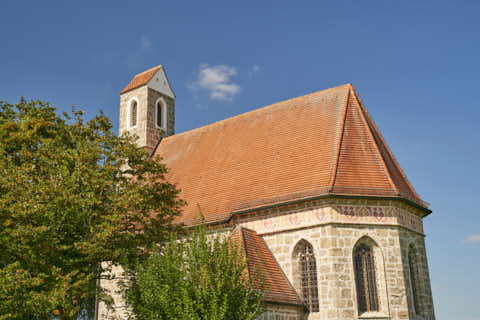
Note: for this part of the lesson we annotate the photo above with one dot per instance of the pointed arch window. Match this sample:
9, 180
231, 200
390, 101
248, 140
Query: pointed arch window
364, 262
133, 113
413, 266
307, 275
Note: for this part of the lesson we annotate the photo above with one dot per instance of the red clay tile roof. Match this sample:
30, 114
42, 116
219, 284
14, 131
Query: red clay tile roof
141, 79
261, 261
318, 144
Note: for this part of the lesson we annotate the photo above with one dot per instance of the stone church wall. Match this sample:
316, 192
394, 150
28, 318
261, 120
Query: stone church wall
148, 134
408, 239
333, 228
280, 312
110, 282
141, 95
389, 226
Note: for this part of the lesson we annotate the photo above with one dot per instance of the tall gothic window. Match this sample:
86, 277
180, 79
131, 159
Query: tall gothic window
133, 113
364, 262
413, 265
307, 269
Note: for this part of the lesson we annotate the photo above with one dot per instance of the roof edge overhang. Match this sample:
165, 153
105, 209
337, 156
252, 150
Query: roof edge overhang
299, 305
333, 195
317, 197
168, 80
131, 89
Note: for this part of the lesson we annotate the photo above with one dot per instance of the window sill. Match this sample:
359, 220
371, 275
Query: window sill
374, 315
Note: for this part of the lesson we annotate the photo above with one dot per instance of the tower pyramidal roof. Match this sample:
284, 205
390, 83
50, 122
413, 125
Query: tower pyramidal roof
141, 79
321, 144
145, 78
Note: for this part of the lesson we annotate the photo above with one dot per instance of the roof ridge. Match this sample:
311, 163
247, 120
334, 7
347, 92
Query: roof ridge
245, 250
257, 110
390, 153
151, 69
377, 147
333, 173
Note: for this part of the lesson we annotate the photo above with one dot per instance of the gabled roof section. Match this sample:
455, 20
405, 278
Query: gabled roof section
324, 143
260, 260
141, 79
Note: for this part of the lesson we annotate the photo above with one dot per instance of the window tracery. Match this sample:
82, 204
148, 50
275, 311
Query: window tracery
307, 267
364, 263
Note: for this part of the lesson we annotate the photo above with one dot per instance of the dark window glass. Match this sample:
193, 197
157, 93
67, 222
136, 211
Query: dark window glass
133, 114
365, 279
308, 270
412, 261
159, 114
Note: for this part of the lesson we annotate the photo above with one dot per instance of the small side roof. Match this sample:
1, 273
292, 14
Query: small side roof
277, 288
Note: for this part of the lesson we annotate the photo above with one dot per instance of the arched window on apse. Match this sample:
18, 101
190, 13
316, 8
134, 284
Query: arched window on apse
365, 278
414, 279
305, 274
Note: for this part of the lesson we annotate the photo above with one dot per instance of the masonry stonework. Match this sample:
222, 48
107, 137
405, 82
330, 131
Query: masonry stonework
148, 134
111, 283
391, 226
281, 312
333, 235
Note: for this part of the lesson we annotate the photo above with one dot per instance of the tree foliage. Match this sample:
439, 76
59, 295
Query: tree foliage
199, 277
68, 202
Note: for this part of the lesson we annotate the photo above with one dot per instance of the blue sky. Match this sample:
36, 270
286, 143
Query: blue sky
414, 63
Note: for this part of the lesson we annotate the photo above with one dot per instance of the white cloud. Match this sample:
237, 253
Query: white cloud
145, 42
217, 80
255, 68
472, 239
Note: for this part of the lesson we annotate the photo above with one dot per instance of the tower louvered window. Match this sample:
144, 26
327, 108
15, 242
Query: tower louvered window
159, 115
308, 270
365, 279
133, 114
412, 261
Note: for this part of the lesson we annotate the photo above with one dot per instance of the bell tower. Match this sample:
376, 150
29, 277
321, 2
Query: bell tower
147, 108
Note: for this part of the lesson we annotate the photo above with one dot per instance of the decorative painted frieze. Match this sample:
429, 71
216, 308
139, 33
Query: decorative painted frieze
275, 221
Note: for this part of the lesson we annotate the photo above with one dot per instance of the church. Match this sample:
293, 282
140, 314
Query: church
311, 191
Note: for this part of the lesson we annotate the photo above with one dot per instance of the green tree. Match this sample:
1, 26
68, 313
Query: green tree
199, 277
68, 202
